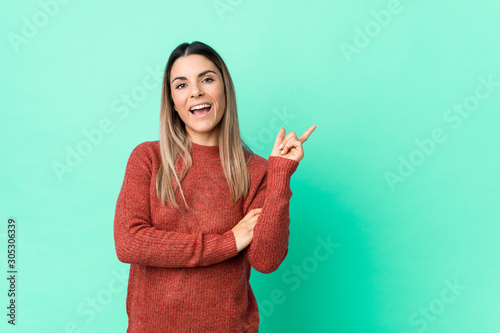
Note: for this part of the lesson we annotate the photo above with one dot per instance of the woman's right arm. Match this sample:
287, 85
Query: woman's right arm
137, 241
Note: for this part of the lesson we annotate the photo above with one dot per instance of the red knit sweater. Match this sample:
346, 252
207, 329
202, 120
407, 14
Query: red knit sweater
186, 274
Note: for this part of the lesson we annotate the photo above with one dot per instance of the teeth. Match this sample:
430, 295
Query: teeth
201, 106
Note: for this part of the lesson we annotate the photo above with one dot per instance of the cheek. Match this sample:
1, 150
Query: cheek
176, 101
221, 97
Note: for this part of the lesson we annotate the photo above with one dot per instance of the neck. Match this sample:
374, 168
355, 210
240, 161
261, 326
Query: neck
210, 138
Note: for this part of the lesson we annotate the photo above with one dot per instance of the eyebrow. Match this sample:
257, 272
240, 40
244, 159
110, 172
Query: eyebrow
199, 75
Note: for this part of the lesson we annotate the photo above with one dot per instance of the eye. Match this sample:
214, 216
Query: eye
180, 85
209, 78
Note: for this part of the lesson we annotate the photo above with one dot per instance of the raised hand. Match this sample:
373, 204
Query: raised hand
290, 146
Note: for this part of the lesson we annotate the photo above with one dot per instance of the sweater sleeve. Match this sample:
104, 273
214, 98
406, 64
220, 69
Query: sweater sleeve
269, 246
137, 241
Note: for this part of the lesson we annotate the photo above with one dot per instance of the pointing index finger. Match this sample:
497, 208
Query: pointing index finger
306, 134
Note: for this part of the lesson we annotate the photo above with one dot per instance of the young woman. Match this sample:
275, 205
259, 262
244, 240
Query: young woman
197, 209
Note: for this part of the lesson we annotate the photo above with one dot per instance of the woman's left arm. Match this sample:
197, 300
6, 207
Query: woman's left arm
269, 246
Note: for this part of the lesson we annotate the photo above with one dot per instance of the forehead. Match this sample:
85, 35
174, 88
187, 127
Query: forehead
192, 65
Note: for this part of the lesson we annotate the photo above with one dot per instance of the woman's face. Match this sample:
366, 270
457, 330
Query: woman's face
196, 81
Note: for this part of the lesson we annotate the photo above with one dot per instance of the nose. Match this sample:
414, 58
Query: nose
196, 91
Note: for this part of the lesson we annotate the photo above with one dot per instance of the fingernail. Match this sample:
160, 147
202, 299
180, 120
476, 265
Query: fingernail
282, 151
281, 146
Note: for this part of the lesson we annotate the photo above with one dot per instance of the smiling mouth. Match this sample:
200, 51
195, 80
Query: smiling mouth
201, 110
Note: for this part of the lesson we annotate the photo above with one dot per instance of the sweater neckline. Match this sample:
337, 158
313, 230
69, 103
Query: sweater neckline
205, 153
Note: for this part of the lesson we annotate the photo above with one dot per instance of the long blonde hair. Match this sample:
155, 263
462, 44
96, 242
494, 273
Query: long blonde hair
175, 144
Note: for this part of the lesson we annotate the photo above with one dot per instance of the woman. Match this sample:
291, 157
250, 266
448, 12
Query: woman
197, 208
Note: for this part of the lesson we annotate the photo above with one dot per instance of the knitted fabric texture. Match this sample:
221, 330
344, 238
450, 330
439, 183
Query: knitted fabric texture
186, 274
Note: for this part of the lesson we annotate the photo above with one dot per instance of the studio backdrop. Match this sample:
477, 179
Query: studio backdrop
395, 207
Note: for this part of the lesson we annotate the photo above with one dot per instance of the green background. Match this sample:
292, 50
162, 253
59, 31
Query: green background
401, 173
